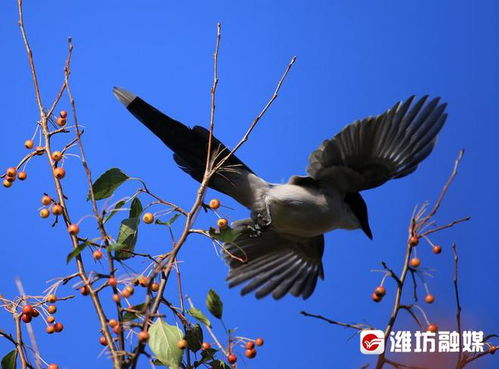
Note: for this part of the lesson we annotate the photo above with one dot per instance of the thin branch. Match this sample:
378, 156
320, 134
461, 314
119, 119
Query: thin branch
458, 303
335, 322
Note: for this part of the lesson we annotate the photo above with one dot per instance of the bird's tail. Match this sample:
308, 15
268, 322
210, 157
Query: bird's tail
274, 263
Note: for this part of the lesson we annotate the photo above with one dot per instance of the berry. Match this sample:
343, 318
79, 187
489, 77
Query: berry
112, 323
44, 213
10, 179
148, 218
155, 287
116, 297
56, 156
7, 183
182, 344
46, 200
126, 293
375, 297
63, 114
73, 229
414, 240
36, 313
51, 298
51, 309
103, 341
117, 329
84, 290
11, 172
22, 175
205, 346
61, 121
380, 291
492, 349
27, 309
432, 328
40, 150
214, 204
58, 327
259, 341
50, 329
222, 223
250, 353
143, 336
59, 172
50, 319
415, 262
436, 249
112, 281
429, 298
232, 359
250, 345
28, 144
144, 281
56, 209
53, 366
97, 255
26, 318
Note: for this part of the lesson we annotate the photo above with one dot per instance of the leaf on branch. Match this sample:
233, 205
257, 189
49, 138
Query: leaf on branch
219, 364
132, 315
127, 239
136, 208
169, 222
76, 251
9, 360
214, 304
194, 337
163, 343
107, 183
227, 235
118, 206
197, 314
207, 355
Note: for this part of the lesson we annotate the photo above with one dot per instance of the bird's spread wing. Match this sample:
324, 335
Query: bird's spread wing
274, 264
190, 146
369, 152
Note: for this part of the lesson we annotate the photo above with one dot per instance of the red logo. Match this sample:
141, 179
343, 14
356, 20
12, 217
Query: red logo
371, 342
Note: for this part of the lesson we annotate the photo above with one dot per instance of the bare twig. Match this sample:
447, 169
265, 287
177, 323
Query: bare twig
458, 303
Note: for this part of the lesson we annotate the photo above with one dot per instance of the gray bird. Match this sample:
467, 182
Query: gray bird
283, 241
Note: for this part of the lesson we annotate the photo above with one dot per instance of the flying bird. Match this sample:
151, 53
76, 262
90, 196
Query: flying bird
282, 242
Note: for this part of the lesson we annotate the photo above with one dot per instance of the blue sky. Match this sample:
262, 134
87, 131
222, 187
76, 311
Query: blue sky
354, 58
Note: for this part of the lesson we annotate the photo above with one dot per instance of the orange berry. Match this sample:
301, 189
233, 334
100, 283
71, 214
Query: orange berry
44, 213
380, 291
144, 281
51, 309
36, 313
28, 144
11, 172
222, 223
432, 328
46, 200
117, 329
143, 336
61, 121
58, 327
22, 175
116, 297
97, 255
250, 345
148, 218
63, 114
84, 290
436, 249
27, 309
53, 366
50, 329
7, 183
51, 298
56, 209
26, 318
50, 319
73, 229
214, 204
415, 262
59, 172
250, 353
232, 359
259, 341
56, 156
205, 346
429, 298
182, 344
414, 240
128, 291
112, 323
375, 297
40, 150
155, 287
103, 341
492, 349
112, 281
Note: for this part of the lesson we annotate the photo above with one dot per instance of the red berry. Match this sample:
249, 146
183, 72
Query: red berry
46, 200
50, 319
50, 329
205, 346
182, 344
112, 281
232, 359
56, 209
103, 341
11, 172
432, 328
73, 229
56, 156
61, 121
375, 297
59, 172
214, 204
58, 327
380, 291
27, 309
51, 298
250, 345
112, 323
415, 262
116, 297
144, 281
36, 313
97, 254
53, 366
51, 309
222, 223
437, 249
143, 336
63, 114
84, 290
155, 287
414, 240
28, 144
26, 318
259, 341
22, 175
117, 329
250, 353
429, 298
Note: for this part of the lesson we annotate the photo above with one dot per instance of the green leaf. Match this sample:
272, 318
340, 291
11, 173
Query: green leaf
227, 235
136, 208
194, 337
130, 315
219, 364
127, 238
207, 355
214, 304
169, 222
197, 314
163, 343
107, 183
9, 360
76, 251
117, 207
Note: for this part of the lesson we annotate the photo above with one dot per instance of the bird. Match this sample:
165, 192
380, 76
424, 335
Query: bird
279, 248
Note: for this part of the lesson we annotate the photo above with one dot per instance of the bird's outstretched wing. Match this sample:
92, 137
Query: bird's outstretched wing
274, 263
190, 146
371, 151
